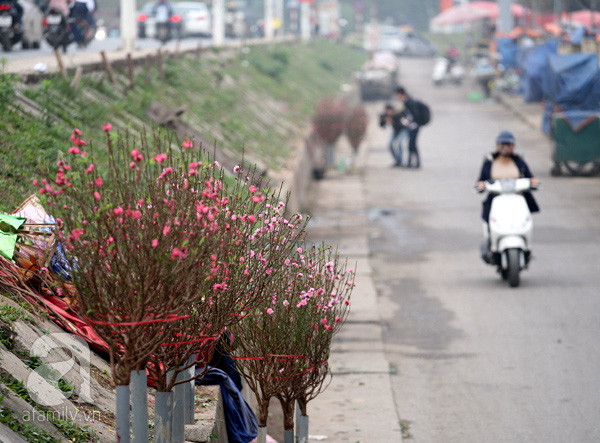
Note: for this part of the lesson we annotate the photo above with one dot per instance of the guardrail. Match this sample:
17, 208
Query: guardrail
80, 63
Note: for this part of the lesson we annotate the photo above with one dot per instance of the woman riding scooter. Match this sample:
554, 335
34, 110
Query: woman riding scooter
503, 163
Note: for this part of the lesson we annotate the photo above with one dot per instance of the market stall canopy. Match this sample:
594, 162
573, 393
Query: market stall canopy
573, 81
493, 10
459, 14
474, 11
584, 17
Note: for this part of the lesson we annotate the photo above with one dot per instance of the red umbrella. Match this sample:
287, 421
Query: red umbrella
493, 9
474, 11
459, 14
585, 17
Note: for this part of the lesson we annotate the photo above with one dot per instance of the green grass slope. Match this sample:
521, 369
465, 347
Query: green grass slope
257, 99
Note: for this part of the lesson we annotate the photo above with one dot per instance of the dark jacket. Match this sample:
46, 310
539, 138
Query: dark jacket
396, 121
486, 174
411, 106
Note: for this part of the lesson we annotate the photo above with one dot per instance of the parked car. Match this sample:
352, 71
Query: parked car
190, 18
418, 46
195, 18
391, 40
378, 77
145, 20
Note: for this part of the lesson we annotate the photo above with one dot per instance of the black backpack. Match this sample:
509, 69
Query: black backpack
423, 113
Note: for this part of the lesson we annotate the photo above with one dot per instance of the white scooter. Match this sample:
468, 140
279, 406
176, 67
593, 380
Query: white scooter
508, 242
443, 72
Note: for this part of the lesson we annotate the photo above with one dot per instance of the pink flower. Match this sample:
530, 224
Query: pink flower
132, 165
270, 311
166, 230
35, 182
99, 182
287, 262
236, 169
285, 303
154, 243
97, 195
118, 210
177, 254
299, 250
257, 198
159, 158
74, 150
251, 218
136, 215
188, 144
134, 153
252, 188
76, 233
76, 131
141, 201
107, 127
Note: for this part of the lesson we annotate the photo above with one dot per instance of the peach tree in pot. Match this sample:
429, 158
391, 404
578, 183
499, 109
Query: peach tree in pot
328, 124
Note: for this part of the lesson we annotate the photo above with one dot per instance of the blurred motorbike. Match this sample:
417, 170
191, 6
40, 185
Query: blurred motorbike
508, 239
10, 30
446, 72
164, 23
56, 29
81, 31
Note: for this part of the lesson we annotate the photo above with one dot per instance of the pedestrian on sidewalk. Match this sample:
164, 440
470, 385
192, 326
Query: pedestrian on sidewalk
410, 120
392, 116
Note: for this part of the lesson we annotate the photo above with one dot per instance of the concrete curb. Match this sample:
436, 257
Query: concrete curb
358, 405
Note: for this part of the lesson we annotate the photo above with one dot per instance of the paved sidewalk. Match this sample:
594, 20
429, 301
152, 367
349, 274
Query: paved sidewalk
531, 113
358, 405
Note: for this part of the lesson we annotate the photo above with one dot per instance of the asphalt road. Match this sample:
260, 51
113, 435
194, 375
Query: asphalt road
107, 44
472, 359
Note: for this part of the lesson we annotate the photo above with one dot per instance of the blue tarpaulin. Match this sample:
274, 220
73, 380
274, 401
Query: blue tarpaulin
572, 81
577, 35
533, 71
508, 48
242, 424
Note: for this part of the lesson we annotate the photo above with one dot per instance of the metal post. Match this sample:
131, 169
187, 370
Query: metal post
139, 406
218, 11
269, 19
163, 414
302, 427
305, 20
178, 421
558, 9
261, 436
288, 436
294, 19
505, 18
123, 413
189, 392
128, 24
279, 16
